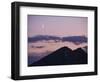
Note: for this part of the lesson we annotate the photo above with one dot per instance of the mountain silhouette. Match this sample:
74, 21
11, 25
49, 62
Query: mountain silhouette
79, 57
43, 37
63, 56
79, 39
85, 48
74, 39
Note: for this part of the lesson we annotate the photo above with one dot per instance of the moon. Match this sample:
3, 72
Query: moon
43, 26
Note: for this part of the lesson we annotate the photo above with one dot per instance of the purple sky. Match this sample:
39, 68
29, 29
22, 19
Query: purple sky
56, 25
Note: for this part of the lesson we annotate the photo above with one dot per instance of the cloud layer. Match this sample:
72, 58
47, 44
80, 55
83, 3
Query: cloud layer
47, 38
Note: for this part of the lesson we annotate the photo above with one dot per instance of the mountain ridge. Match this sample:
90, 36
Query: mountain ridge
63, 56
76, 39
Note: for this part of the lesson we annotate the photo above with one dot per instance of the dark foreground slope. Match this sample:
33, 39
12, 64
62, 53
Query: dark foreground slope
63, 56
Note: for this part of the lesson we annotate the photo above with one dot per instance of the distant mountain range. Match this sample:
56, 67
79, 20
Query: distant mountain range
74, 39
42, 37
63, 56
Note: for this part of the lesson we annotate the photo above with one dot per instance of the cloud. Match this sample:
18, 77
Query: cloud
74, 39
37, 46
42, 38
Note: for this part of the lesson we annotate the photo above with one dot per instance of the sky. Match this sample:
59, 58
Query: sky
56, 25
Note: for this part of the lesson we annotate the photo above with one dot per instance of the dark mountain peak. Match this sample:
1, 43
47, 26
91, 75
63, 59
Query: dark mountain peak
58, 57
85, 48
80, 52
81, 49
64, 49
63, 56
61, 52
77, 49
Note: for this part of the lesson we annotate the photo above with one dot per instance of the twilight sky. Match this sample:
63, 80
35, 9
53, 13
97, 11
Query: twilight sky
57, 25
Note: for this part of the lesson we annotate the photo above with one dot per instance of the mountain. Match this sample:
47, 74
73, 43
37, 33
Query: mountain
85, 49
74, 39
42, 37
79, 39
80, 56
63, 56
